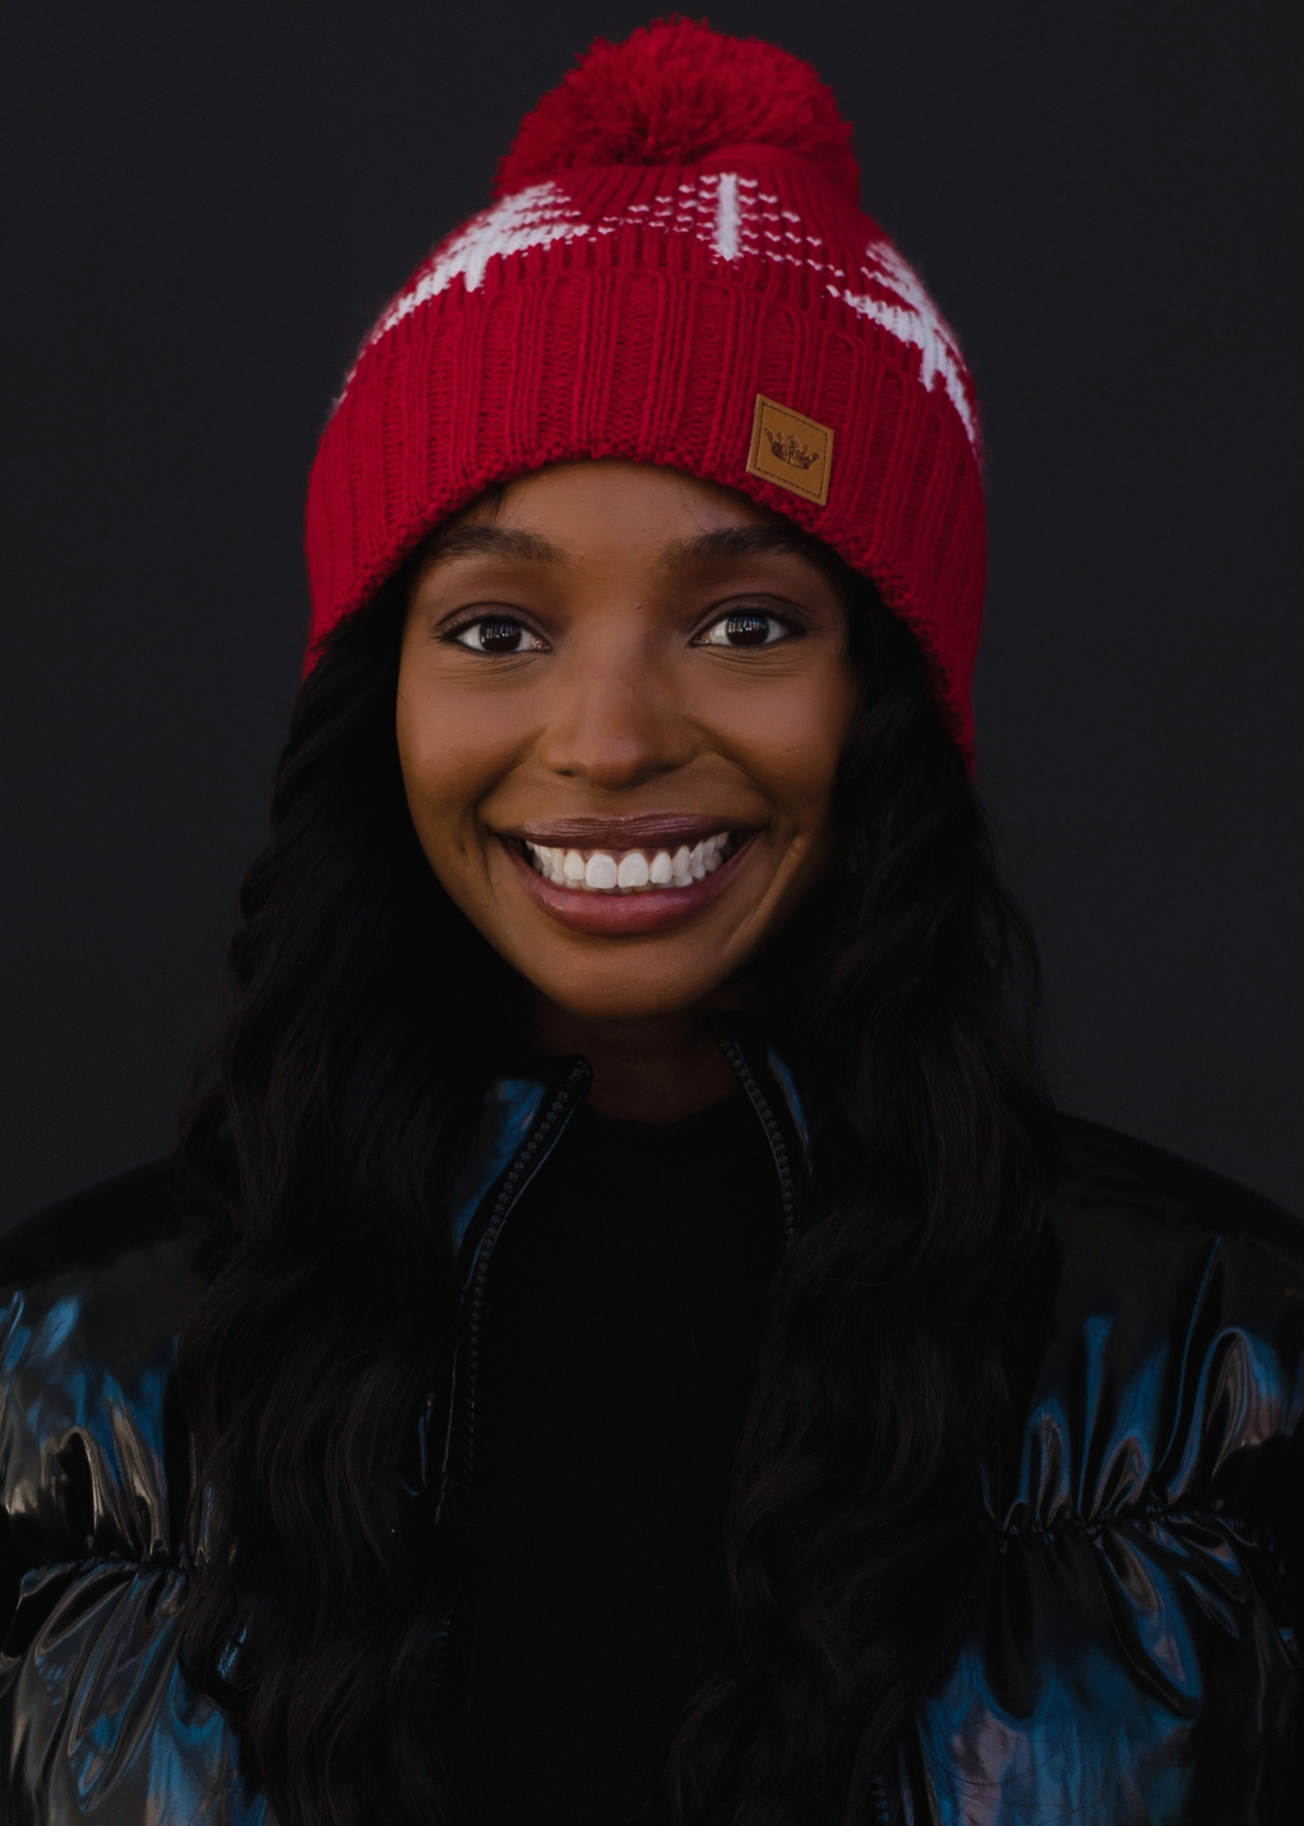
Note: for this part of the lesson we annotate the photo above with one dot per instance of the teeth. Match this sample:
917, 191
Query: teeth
629, 871
633, 871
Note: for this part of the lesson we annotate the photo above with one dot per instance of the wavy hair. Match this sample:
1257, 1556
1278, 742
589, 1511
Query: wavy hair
364, 1012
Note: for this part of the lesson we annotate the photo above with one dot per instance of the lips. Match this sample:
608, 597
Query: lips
626, 877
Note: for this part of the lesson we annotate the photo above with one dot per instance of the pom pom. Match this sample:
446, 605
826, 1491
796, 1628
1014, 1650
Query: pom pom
673, 93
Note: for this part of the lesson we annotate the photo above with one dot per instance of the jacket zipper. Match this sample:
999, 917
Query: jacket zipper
532, 1155
538, 1145
729, 1046
545, 1131
465, 1358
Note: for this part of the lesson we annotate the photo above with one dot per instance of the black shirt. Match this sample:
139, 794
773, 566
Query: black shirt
625, 1309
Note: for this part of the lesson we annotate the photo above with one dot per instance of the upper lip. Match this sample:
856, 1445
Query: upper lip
649, 830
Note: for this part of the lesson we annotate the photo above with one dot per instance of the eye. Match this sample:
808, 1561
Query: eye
497, 634
745, 628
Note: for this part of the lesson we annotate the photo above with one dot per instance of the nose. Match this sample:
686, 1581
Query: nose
615, 721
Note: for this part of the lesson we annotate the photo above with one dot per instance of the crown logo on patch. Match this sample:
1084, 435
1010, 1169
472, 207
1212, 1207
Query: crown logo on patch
787, 446
790, 449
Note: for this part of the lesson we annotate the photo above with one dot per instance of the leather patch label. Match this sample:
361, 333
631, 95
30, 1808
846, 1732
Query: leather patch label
790, 450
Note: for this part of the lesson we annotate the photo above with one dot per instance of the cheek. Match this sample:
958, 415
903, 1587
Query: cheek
791, 739
452, 753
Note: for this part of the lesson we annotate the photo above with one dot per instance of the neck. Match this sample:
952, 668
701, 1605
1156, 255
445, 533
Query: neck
660, 1069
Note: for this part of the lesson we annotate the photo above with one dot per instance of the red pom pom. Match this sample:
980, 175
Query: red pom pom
673, 93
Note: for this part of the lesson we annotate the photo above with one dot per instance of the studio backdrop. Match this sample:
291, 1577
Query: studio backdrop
207, 205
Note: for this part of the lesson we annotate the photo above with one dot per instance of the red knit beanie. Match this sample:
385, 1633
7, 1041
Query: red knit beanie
677, 271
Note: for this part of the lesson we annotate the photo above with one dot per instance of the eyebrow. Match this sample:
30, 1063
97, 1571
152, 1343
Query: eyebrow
736, 542
496, 542
514, 545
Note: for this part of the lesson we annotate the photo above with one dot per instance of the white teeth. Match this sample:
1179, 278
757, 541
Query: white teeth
633, 871
600, 871
628, 871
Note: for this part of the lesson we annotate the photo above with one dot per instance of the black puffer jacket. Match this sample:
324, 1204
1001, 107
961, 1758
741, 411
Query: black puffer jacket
1134, 1660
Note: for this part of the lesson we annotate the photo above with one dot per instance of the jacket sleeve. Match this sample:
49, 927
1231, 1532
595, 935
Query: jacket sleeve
1135, 1650
97, 1722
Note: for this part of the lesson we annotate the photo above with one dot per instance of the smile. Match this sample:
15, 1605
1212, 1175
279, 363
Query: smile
625, 881
630, 871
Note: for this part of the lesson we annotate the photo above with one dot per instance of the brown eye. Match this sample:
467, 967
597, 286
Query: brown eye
497, 634
745, 628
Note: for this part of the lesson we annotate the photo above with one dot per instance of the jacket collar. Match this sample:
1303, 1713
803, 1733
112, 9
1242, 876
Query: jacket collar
513, 1106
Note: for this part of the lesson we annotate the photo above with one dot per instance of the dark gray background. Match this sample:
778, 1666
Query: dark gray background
207, 206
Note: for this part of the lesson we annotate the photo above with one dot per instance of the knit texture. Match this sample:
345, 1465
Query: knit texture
672, 94
677, 231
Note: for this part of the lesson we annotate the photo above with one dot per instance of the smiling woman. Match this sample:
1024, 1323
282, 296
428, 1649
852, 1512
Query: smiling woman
623, 698
625, 1335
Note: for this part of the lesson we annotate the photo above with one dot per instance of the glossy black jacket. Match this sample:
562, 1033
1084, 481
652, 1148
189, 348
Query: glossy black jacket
1133, 1659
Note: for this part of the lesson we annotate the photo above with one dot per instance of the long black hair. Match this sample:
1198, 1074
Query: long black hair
364, 1012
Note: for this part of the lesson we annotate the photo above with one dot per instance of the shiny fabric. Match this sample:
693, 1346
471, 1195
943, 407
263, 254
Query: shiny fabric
97, 1721
1133, 1657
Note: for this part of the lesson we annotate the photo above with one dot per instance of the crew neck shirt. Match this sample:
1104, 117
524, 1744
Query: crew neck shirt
625, 1309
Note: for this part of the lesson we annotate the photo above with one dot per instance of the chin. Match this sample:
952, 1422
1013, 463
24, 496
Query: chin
615, 997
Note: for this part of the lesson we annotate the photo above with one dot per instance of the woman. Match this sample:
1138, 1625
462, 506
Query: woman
626, 1335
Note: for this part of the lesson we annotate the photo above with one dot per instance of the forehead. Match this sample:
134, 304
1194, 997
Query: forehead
639, 495
602, 510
